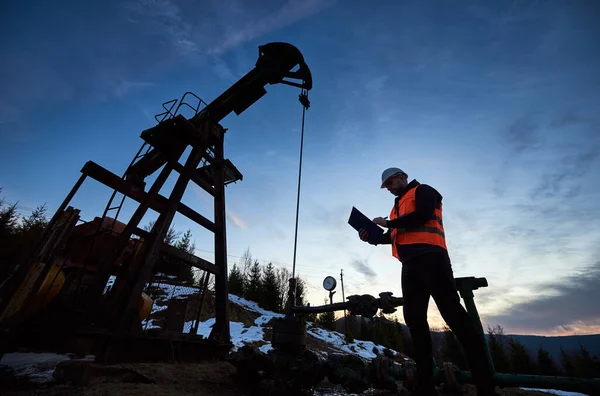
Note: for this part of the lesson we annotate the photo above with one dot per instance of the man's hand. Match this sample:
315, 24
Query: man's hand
363, 235
380, 221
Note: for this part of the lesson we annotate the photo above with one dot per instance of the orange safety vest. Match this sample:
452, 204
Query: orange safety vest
431, 233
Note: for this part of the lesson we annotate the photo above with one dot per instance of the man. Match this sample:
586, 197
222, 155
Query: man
416, 233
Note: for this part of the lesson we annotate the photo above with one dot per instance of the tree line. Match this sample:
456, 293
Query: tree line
267, 285
511, 357
264, 284
18, 233
508, 354
388, 332
167, 265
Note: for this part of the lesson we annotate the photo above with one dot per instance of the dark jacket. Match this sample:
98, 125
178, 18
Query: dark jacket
427, 199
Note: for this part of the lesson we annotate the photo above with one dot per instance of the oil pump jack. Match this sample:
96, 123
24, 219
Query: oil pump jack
73, 262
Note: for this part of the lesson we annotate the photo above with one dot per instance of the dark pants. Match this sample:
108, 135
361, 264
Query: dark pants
430, 274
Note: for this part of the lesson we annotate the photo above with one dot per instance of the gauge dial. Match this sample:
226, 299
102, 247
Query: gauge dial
329, 283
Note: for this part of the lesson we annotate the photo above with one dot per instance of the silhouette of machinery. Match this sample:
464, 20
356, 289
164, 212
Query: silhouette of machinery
73, 262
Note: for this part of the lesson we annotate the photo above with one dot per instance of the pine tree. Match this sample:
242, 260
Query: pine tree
163, 264
29, 233
545, 363
396, 336
171, 266
379, 334
366, 330
35, 222
586, 364
237, 283
326, 320
270, 291
255, 284
350, 327
520, 361
497, 345
170, 237
8, 238
568, 364
8, 220
184, 271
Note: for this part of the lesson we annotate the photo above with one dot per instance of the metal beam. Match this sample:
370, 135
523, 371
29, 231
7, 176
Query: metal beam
189, 258
220, 330
193, 176
142, 272
113, 181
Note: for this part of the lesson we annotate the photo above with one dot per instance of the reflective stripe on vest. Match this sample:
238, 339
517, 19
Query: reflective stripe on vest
431, 233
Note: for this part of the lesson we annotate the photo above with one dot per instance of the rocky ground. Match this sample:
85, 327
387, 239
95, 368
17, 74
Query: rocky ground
63, 375
85, 378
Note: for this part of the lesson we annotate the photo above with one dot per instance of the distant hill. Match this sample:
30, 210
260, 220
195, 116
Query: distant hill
553, 344
531, 342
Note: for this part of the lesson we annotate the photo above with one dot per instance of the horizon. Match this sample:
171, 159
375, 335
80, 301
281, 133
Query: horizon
492, 105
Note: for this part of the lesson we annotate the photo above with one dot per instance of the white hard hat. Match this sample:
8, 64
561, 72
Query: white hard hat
389, 172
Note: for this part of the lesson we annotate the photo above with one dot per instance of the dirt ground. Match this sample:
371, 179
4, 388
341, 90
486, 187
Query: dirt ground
165, 379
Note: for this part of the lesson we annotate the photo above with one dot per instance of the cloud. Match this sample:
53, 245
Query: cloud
123, 88
567, 119
193, 31
290, 12
573, 158
27, 83
565, 177
120, 50
564, 304
236, 220
522, 135
548, 163
362, 266
165, 18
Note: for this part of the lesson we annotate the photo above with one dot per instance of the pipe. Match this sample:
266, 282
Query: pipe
320, 308
465, 286
466, 292
582, 385
589, 386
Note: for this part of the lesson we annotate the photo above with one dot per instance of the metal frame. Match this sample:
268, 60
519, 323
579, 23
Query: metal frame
163, 147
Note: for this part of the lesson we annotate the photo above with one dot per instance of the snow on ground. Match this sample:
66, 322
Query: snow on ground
241, 335
38, 367
555, 392
362, 348
365, 349
252, 306
170, 291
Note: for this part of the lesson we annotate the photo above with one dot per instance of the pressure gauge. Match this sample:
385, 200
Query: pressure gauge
329, 283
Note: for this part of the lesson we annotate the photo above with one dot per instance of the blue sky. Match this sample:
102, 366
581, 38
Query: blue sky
494, 104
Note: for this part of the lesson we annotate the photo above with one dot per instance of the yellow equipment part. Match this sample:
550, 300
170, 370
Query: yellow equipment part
144, 306
51, 286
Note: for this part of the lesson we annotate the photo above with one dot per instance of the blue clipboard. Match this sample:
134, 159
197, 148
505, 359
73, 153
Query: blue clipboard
358, 220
